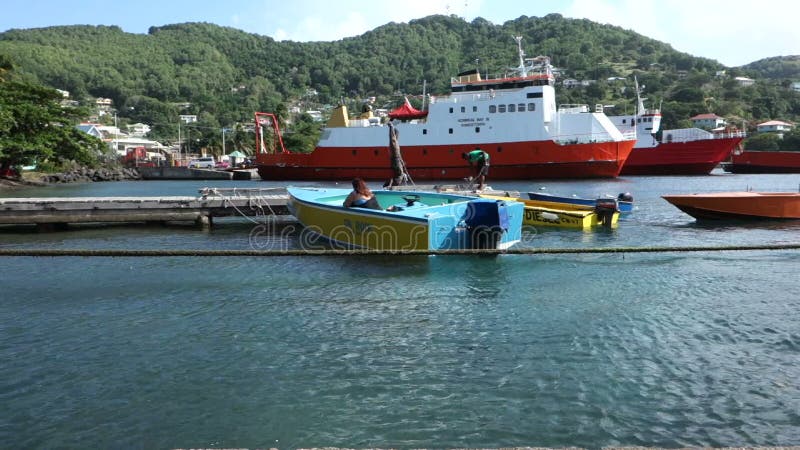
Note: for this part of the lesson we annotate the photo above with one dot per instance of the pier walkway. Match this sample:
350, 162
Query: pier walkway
55, 212
50, 213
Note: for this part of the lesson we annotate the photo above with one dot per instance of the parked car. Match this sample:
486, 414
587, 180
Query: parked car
206, 162
222, 165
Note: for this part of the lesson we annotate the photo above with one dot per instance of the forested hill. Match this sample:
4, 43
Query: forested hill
777, 68
227, 74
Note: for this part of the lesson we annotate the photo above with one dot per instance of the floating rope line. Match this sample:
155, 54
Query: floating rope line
339, 252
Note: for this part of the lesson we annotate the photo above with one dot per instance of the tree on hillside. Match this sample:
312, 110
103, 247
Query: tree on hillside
763, 141
34, 127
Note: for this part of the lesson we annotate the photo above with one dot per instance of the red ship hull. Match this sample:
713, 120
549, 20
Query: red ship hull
509, 161
764, 162
697, 157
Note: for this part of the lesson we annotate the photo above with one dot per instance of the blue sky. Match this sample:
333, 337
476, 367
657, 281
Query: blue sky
734, 32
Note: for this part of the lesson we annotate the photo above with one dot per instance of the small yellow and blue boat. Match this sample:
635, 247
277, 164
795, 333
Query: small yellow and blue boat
409, 220
624, 201
552, 214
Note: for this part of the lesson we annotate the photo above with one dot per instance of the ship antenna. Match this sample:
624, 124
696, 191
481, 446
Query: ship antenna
522, 70
639, 101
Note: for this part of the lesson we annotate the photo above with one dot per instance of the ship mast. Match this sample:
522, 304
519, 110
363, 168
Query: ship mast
639, 100
521, 69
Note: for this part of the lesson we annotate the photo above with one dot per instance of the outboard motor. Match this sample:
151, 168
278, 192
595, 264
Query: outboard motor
486, 221
605, 209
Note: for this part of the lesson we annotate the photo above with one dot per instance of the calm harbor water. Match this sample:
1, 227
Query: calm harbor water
665, 349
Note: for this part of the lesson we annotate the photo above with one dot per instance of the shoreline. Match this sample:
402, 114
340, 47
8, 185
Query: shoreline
79, 175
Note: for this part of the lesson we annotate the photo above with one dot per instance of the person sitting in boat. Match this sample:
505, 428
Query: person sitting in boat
480, 159
361, 197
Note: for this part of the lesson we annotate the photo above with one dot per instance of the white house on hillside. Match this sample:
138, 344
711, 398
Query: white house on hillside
774, 126
744, 81
708, 121
138, 129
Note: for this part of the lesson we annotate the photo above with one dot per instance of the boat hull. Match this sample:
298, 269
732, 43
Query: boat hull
739, 205
764, 162
698, 157
557, 202
573, 216
509, 161
435, 221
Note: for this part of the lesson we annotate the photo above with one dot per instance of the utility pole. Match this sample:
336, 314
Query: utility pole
223, 141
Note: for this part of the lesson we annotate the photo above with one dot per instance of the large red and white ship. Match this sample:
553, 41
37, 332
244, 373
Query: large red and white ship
683, 151
513, 118
763, 161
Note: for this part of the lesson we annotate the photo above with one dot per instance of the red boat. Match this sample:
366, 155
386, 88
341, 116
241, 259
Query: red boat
684, 151
738, 205
756, 161
513, 118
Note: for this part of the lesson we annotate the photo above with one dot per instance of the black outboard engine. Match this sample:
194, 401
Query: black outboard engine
625, 197
605, 209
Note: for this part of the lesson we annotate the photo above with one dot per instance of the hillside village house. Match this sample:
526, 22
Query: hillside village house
138, 129
744, 81
103, 106
90, 129
708, 121
119, 141
774, 126
796, 86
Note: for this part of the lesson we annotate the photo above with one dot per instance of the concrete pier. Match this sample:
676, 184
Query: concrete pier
53, 213
183, 173
56, 213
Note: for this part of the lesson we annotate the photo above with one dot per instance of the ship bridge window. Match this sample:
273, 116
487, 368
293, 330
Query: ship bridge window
512, 108
521, 107
531, 106
534, 95
501, 108
492, 109
463, 109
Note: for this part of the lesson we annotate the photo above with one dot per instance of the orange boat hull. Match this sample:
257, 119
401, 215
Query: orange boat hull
738, 205
509, 161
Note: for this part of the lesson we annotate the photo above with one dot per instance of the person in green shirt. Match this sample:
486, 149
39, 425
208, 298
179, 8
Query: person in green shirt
480, 159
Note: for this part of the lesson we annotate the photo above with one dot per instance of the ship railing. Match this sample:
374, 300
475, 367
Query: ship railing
730, 134
573, 108
589, 138
482, 96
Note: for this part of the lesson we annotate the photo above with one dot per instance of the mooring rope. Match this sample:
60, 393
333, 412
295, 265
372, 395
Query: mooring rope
339, 252
257, 202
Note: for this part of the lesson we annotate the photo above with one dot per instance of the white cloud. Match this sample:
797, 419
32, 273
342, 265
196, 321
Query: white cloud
329, 21
735, 32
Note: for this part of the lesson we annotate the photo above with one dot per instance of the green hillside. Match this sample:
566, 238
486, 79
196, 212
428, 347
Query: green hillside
226, 74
